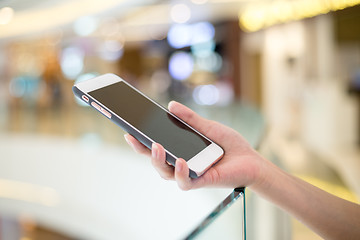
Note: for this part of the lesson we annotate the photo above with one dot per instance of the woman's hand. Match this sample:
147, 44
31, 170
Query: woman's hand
328, 215
240, 166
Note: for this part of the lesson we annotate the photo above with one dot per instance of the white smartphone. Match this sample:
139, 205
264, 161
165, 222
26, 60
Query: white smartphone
149, 122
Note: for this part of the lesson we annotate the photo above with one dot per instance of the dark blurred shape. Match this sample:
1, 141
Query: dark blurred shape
346, 24
354, 89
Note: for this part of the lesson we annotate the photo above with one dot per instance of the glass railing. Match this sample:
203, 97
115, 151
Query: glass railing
222, 222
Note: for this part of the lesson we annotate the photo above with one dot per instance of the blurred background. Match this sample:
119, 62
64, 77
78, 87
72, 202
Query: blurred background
284, 73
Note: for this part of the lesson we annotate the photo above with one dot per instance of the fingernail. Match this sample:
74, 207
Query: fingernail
170, 104
154, 150
127, 140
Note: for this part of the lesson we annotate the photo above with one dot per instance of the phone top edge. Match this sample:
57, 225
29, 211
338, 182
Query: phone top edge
98, 82
110, 78
82, 91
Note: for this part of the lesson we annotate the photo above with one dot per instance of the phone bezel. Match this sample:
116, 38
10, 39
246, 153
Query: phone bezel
199, 163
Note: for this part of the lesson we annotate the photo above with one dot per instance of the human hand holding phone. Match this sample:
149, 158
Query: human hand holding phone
329, 216
149, 122
240, 165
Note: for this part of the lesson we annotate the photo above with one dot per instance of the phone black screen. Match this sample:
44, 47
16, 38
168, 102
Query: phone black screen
151, 120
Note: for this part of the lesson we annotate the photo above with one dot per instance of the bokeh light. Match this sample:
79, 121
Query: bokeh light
203, 49
6, 15
17, 87
111, 50
180, 35
181, 65
211, 62
202, 32
180, 13
199, 2
226, 94
85, 25
184, 35
72, 62
206, 94
258, 16
24, 86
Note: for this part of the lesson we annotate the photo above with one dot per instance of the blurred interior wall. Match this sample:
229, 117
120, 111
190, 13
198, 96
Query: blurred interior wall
298, 66
305, 72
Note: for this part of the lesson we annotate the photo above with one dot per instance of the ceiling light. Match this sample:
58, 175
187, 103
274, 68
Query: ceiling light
84, 26
6, 15
180, 13
258, 16
199, 1
181, 65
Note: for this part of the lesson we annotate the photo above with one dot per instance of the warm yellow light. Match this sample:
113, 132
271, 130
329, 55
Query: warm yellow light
275, 12
6, 15
254, 18
38, 20
199, 1
284, 11
28, 192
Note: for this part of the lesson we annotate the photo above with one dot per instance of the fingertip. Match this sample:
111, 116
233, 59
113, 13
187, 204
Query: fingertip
172, 105
154, 150
128, 140
179, 165
172, 102
158, 154
182, 174
158, 160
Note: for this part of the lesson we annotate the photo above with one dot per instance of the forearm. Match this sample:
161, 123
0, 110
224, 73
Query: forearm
327, 215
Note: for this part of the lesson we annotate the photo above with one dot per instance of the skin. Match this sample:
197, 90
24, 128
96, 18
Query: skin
327, 215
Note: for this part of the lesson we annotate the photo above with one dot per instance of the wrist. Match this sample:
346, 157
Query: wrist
265, 175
